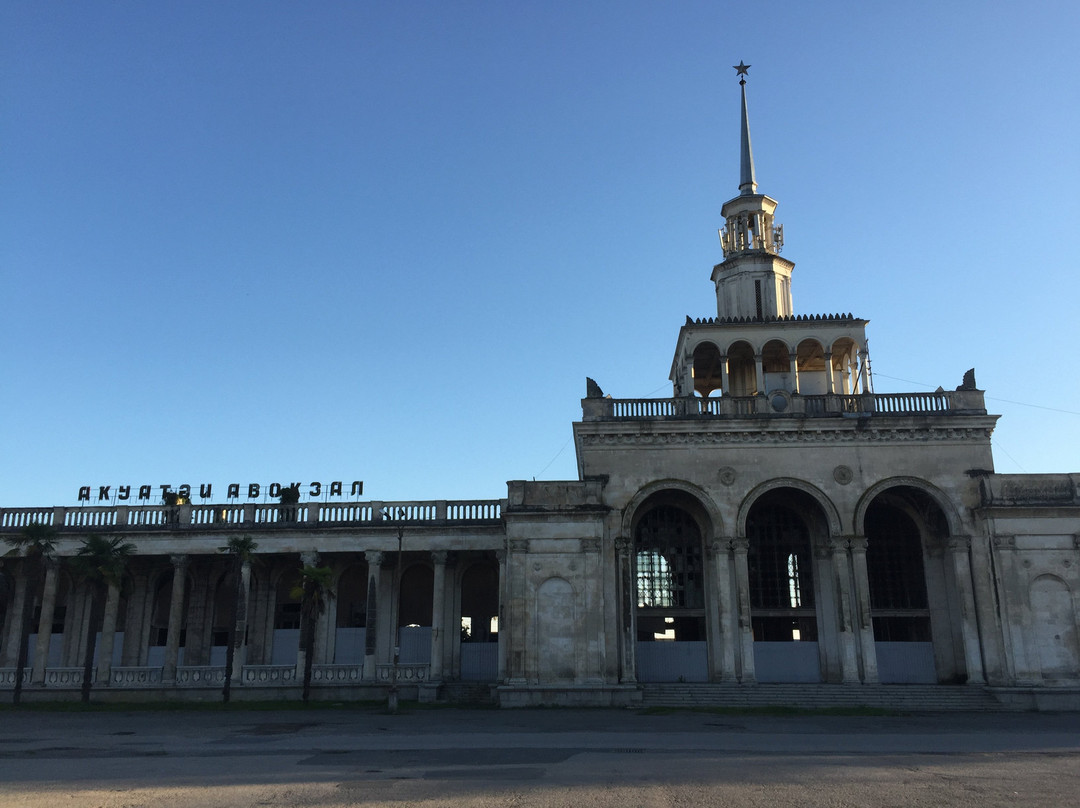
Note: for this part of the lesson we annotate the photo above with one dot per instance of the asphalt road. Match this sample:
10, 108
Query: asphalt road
543, 758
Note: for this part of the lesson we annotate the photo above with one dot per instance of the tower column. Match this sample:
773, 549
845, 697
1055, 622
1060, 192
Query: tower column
742, 594
374, 560
725, 388
176, 614
45, 621
759, 375
438, 612
793, 364
864, 622
830, 382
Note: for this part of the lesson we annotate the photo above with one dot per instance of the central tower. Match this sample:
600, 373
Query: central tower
752, 281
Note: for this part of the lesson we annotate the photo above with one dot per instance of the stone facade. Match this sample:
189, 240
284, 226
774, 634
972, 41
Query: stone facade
775, 521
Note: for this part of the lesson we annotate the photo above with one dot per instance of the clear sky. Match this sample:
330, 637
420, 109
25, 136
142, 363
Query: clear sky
269, 241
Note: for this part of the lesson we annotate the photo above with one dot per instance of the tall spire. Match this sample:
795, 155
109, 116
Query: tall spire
747, 182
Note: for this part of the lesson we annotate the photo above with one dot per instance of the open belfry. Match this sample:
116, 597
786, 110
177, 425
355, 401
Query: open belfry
775, 532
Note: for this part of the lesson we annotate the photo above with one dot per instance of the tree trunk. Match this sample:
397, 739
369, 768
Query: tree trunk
91, 641
236, 630
309, 654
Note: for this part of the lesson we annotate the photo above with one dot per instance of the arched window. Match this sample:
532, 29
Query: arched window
669, 566
780, 562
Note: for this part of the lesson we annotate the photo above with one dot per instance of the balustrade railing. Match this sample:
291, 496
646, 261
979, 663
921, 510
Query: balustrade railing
269, 674
200, 675
7, 676
337, 674
239, 515
135, 676
409, 674
795, 404
66, 677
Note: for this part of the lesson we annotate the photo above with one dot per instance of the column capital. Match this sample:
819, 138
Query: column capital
438, 558
309, 558
623, 545
958, 544
500, 556
740, 545
374, 558
179, 561
718, 547
858, 544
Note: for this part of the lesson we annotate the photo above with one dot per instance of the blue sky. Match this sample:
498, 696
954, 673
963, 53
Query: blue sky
268, 241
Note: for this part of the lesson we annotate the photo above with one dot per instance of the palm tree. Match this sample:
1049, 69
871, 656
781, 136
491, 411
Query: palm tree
313, 591
35, 543
100, 563
241, 548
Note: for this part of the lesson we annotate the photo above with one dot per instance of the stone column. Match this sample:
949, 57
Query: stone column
759, 375
139, 606
830, 382
864, 357
793, 364
517, 611
308, 559
627, 606
500, 556
864, 624
959, 555
849, 662
729, 624
438, 615
374, 560
176, 615
742, 594
108, 636
10, 657
45, 621
725, 388
240, 627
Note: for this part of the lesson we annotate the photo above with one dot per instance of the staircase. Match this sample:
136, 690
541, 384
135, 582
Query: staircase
903, 698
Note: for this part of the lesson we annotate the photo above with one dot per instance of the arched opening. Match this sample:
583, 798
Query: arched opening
917, 624
224, 618
414, 614
810, 360
287, 618
742, 369
669, 572
480, 623
708, 375
776, 366
159, 620
782, 527
352, 605
845, 363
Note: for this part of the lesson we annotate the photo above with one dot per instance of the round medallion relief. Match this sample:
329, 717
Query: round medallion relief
727, 475
843, 474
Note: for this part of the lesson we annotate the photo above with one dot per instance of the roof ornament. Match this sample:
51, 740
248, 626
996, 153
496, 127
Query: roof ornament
747, 182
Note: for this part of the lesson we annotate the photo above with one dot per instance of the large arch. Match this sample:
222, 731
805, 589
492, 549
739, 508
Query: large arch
709, 516
956, 526
672, 601
918, 625
830, 511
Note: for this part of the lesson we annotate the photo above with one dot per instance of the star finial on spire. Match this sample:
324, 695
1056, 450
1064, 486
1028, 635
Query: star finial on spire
741, 69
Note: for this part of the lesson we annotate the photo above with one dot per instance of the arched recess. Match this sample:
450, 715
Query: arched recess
159, 618
742, 369
776, 366
672, 592
480, 622
828, 509
845, 362
556, 631
1054, 617
915, 598
707, 369
954, 525
794, 604
350, 623
810, 360
415, 612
